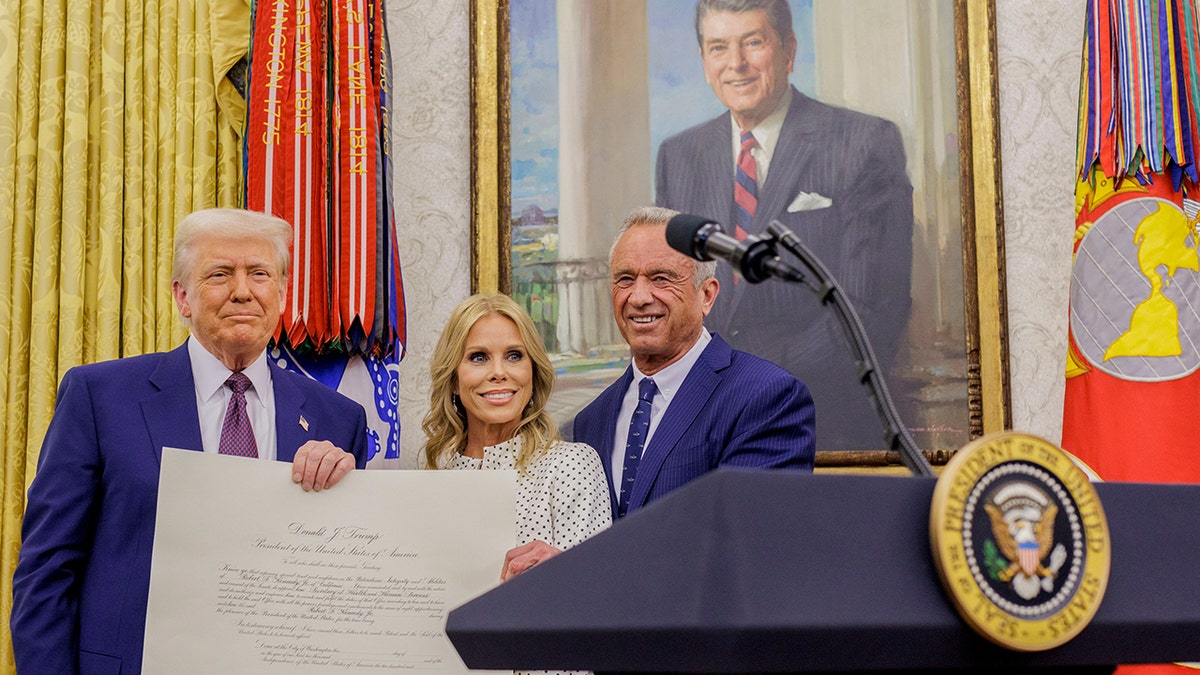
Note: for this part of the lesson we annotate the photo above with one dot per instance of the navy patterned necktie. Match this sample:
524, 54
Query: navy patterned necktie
639, 427
237, 438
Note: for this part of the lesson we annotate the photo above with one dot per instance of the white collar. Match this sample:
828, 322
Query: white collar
767, 132
670, 379
210, 374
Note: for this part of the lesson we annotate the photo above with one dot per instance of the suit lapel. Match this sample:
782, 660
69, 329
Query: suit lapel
290, 433
714, 196
788, 162
610, 406
693, 394
173, 421
170, 413
716, 171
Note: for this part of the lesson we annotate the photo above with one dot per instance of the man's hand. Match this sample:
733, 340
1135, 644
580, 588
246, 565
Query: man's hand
320, 464
521, 558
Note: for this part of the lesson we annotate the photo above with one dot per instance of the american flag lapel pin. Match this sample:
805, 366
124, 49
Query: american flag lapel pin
303, 423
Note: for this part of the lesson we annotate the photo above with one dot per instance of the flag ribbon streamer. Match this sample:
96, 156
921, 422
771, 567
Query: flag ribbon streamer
1138, 92
316, 156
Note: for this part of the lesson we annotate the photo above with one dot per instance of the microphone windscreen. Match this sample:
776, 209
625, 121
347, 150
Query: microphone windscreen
681, 233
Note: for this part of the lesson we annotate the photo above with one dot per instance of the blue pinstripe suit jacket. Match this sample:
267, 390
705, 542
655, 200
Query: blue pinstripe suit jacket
733, 409
864, 236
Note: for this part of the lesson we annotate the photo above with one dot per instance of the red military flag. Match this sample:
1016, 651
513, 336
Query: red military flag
1133, 386
1133, 363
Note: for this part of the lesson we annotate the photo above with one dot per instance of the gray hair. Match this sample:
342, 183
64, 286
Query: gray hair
657, 215
229, 223
779, 14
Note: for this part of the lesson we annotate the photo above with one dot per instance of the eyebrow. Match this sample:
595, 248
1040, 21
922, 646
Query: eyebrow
218, 263
481, 348
737, 38
667, 271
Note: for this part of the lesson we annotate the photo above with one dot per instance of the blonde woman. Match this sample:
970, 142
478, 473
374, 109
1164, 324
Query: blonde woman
491, 379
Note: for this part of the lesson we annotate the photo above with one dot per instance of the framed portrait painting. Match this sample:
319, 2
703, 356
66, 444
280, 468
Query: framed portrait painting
881, 155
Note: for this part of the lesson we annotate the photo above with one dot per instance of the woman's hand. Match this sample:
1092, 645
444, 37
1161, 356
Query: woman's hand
523, 557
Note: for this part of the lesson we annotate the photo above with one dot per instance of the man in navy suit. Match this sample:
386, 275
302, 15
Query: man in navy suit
835, 177
82, 580
712, 407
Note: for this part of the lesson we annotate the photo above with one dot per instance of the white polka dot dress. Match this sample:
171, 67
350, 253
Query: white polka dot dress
562, 496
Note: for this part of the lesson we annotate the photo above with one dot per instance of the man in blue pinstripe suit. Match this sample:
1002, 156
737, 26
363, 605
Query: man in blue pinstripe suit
712, 406
835, 177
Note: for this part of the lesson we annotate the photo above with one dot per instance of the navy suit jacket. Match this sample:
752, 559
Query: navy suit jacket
733, 409
858, 220
83, 576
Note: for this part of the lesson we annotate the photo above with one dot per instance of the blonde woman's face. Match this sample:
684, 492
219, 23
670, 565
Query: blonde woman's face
495, 379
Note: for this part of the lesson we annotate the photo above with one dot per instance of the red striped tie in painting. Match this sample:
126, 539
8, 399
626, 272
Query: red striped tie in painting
745, 186
316, 155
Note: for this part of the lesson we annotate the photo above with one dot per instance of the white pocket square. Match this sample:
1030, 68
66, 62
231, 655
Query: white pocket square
809, 201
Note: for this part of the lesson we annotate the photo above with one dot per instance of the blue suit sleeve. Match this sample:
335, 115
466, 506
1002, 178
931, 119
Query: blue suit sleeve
776, 427
360, 446
57, 533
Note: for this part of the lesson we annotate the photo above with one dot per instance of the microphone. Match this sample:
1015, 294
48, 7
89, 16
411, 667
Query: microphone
753, 257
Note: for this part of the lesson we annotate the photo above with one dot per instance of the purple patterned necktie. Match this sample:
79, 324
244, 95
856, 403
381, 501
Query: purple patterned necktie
639, 426
237, 438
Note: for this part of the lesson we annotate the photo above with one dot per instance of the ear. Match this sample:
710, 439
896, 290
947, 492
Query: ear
791, 49
709, 288
181, 299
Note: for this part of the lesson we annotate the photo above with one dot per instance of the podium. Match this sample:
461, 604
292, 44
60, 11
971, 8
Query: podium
759, 571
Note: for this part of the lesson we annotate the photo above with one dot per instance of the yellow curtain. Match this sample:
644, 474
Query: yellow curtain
116, 120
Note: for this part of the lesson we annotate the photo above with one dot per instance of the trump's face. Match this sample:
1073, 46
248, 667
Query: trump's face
746, 63
233, 295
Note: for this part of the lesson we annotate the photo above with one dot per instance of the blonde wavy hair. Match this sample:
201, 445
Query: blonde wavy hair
446, 424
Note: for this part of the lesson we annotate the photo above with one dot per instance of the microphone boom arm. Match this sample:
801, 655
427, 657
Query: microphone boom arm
831, 294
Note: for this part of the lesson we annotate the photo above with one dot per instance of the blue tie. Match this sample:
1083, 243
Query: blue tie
639, 426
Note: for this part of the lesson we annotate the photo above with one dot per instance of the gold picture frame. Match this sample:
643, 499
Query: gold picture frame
989, 408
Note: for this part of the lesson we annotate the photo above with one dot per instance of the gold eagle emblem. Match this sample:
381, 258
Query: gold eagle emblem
1023, 527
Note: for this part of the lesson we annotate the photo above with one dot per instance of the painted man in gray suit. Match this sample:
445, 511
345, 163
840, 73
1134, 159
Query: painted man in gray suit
833, 176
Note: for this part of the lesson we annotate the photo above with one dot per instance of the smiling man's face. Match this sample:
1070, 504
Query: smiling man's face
656, 303
746, 63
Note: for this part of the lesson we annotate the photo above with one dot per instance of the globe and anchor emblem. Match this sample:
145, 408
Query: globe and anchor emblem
1135, 292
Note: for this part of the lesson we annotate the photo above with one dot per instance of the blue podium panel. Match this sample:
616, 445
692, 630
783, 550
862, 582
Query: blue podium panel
757, 571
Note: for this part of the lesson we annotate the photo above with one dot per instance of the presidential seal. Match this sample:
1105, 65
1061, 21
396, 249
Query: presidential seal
1020, 541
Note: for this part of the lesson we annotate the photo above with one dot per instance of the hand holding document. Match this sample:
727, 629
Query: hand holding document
253, 575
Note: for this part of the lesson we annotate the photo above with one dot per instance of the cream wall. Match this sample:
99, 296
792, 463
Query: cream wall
432, 160
1039, 45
